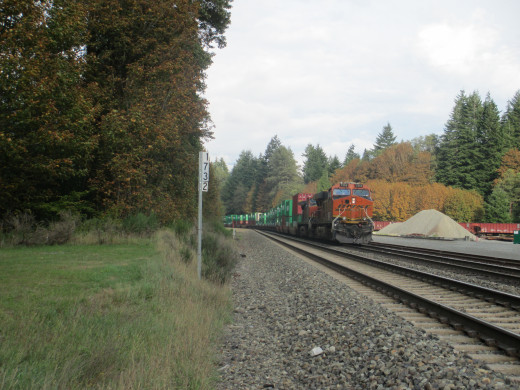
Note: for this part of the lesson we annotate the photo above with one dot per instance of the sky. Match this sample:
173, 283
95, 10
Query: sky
335, 72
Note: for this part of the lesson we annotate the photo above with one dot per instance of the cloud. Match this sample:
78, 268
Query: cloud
335, 72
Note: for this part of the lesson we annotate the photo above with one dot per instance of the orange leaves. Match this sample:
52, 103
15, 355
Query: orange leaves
398, 163
511, 160
400, 201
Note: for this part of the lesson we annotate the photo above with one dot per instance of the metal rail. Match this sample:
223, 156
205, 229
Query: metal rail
479, 259
496, 271
475, 327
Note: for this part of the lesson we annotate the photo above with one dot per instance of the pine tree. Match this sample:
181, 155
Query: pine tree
498, 207
351, 155
283, 178
385, 139
316, 161
261, 197
458, 152
333, 164
491, 143
511, 121
240, 181
323, 182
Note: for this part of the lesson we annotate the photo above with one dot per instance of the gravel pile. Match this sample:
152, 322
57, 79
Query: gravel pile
296, 327
428, 223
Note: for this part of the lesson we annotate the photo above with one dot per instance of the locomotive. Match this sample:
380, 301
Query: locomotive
343, 214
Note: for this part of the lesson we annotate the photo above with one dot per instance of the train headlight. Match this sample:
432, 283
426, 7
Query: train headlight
353, 200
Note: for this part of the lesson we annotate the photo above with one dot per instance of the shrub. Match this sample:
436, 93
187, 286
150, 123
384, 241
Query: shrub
141, 223
219, 256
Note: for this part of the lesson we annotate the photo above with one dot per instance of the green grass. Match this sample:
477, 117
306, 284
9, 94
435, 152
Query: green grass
114, 316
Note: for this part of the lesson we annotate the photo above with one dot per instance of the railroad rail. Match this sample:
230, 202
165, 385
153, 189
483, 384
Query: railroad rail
502, 269
489, 315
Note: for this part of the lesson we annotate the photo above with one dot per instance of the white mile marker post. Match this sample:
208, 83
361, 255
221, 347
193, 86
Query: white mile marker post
203, 187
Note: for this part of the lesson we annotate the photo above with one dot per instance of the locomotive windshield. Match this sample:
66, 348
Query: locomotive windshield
340, 193
363, 193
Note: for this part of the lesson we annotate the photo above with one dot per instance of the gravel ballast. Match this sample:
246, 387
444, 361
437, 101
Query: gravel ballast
295, 327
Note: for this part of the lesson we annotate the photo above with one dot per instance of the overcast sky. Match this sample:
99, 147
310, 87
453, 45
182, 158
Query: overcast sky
335, 72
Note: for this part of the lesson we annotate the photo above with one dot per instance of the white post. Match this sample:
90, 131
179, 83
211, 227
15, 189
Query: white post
199, 228
203, 186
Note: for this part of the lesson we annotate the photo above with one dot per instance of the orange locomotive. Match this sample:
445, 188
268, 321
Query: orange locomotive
343, 213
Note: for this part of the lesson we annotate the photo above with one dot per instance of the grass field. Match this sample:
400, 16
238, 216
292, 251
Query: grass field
117, 316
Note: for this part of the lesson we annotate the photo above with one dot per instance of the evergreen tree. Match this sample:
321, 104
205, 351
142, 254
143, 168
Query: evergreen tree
333, 164
316, 161
367, 155
510, 184
498, 207
283, 178
323, 182
384, 140
261, 196
511, 121
239, 183
491, 143
459, 152
351, 155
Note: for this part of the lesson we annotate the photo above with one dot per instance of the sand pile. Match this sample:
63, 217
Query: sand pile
428, 223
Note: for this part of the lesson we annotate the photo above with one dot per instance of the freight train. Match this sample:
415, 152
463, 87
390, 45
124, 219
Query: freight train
477, 228
343, 213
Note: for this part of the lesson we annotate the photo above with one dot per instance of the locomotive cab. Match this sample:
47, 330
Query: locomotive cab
343, 214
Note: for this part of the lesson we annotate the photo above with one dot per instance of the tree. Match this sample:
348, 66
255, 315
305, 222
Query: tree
323, 183
401, 163
283, 178
46, 115
212, 204
498, 207
510, 161
510, 185
316, 161
261, 197
491, 142
220, 171
147, 62
333, 164
511, 121
464, 206
100, 103
384, 140
351, 155
239, 183
428, 143
459, 151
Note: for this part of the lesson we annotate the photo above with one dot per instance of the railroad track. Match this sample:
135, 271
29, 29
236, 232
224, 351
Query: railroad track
490, 316
502, 269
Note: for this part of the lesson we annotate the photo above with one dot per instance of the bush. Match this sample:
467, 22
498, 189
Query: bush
22, 229
182, 227
141, 223
219, 256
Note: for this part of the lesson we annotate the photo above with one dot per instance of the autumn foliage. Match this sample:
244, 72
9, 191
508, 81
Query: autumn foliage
100, 104
401, 180
400, 201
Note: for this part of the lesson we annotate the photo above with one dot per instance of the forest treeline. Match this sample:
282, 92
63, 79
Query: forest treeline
471, 172
101, 107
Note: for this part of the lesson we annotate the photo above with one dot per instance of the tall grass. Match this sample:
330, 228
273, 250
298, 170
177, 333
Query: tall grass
123, 316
